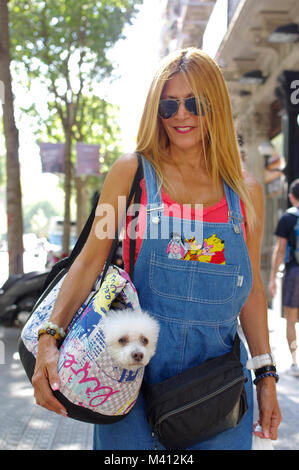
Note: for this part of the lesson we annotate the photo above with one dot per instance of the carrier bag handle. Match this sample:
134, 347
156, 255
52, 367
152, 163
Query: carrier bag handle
132, 249
135, 189
87, 227
65, 263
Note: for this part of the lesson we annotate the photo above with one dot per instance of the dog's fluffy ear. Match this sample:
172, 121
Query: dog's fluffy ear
124, 322
146, 323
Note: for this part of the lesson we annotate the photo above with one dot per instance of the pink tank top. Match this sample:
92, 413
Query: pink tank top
215, 213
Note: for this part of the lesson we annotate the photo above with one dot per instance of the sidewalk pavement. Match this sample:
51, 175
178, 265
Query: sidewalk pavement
26, 426
287, 387
23, 424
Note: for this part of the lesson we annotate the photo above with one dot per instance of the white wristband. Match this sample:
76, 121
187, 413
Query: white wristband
260, 361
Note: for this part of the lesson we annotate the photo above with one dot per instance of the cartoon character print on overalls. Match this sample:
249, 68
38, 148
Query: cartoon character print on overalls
211, 251
197, 305
176, 248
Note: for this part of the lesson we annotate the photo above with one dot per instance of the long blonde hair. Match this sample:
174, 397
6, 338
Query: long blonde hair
221, 151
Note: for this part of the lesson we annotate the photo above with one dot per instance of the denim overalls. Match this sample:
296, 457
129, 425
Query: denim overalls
197, 305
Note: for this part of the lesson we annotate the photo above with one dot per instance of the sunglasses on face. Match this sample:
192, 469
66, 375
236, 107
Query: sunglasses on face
169, 107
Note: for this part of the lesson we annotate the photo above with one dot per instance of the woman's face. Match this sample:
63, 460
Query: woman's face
184, 128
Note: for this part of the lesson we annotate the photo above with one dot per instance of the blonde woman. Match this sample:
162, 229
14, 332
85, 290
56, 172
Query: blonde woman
190, 160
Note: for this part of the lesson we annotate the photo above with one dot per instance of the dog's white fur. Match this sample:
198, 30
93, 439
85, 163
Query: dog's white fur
131, 337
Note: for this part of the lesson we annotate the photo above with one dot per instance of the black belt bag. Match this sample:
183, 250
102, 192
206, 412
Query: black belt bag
199, 403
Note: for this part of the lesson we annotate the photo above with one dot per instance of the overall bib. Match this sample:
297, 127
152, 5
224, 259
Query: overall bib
197, 304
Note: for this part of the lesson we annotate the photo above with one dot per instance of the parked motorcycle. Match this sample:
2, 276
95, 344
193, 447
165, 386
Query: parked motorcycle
19, 294
21, 291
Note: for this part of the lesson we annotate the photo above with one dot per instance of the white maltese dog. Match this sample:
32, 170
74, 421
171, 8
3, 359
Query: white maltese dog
131, 337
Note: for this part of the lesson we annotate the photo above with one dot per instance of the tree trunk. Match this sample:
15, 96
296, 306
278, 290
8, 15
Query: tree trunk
83, 208
13, 189
67, 190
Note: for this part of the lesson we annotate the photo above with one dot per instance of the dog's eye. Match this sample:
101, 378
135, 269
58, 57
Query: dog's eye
123, 340
144, 340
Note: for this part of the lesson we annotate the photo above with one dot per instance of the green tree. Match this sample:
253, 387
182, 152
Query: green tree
11, 134
2, 170
2, 156
37, 217
96, 123
64, 45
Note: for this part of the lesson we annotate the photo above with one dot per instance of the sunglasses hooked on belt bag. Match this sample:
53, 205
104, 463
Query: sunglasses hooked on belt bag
203, 401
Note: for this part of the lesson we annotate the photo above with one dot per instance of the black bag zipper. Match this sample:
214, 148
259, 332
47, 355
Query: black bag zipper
200, 400
154, 436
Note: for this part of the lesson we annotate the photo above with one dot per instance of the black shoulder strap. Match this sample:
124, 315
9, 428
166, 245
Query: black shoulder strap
84, 233
133, 235
135, 189
65, 263
87, 227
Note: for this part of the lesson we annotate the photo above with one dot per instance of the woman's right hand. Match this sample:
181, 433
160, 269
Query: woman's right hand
45, 377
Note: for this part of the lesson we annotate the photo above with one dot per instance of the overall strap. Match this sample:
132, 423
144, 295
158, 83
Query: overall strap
154, 196
235, 216
155, 206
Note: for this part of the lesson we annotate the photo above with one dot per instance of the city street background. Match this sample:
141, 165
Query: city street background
26, 426
256, 47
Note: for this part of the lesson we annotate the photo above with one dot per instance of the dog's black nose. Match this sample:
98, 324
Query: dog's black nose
137, 356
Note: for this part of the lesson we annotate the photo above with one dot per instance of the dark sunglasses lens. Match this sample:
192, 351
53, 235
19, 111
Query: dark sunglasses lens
167, 108
191, 106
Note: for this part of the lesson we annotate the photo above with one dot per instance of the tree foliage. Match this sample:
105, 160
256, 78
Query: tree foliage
37, 211
64, 45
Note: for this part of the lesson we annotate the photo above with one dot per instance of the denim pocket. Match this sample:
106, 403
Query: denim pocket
192, 281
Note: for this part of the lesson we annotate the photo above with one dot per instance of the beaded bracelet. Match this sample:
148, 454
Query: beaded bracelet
264, 369
50, 328
266, 374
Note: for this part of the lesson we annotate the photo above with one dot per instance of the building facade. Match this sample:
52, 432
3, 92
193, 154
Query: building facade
255, 42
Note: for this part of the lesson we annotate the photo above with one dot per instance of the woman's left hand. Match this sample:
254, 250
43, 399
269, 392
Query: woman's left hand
269, 411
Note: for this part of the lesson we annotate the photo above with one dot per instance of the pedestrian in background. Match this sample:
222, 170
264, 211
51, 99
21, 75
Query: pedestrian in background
286, 251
